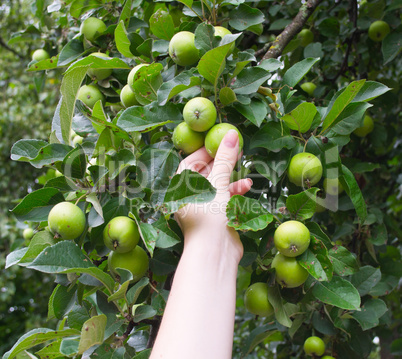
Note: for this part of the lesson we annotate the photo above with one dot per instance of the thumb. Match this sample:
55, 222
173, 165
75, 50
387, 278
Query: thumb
225, 160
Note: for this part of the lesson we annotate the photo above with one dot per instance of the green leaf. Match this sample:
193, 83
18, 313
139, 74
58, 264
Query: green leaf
69, 90
146, 118
370, 91
301, 118
50, 351
47, 64
227, 96
264, 333
166, 238
316, 231
75, 164
339, 103
147, 81
143, 312
149, 236
136, 289
273, 166
212, 63
61, 301
36, 206
181, 82
316, 261
247, 214
161, 24
297, 71
274, 297
72, 51
339, 292
351, 187
38, 243
92, 332
26, 150
391, 45
255, 111
349, 119
302, 205
187, 187
365, 279
244, 16
122, 41
371, 312
344, 262
249, 80
273, 137
204, 38
35, 337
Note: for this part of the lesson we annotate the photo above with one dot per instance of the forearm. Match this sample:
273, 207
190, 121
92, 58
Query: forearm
199, 318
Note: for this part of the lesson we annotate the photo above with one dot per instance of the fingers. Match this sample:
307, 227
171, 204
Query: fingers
196, 161
225, 160
240, 187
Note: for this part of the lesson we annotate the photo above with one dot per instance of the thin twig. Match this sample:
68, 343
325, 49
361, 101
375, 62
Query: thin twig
292, 29
3, 44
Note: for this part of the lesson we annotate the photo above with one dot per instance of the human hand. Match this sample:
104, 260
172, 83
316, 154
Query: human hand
207, 222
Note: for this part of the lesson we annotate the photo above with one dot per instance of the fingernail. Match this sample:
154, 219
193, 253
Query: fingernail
231, 138
250, 181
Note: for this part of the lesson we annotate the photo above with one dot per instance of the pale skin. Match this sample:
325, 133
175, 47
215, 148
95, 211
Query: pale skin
198, 322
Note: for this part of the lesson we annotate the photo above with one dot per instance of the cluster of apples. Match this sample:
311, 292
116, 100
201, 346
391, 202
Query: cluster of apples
121, 236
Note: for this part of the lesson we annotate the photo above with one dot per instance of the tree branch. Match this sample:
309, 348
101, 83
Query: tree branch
3, 44
292, 29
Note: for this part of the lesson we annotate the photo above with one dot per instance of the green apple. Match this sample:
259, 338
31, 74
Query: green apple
366, 128
221, 32
256, 300
304, 169
77, 140
28, 233
305, 37
130, 78
182, 49
332, 186
40, 54
200, 114
127, 97
100, 74
121, 234
308, 87
135, 260
327, 357
90, 95
215, 136
66, 220
92, 27
288, 272
314, 346
187, 140
378, 30
292, 238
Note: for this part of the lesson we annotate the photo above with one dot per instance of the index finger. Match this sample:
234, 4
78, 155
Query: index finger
196, 161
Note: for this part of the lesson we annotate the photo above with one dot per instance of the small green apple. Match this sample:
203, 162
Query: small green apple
92, 27
366, 128
215, 136
66, 220
292, 238
378, 30
135, 260
305, 37
127, 97
40, 54
90, 95
314, 346
288, 272
121, 234
332, 186
130, 78
200, 114
308, 87
187, 140
182, 49
222, 32
100, 74
327, 357
256, 300
28, 233
304, 169
77, 140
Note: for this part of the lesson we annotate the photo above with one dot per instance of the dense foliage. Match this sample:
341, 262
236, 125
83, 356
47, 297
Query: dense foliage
113, 159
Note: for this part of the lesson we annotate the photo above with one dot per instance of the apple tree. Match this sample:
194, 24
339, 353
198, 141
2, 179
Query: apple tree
320, 226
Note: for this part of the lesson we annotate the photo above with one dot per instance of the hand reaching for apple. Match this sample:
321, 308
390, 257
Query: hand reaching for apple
210, 218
